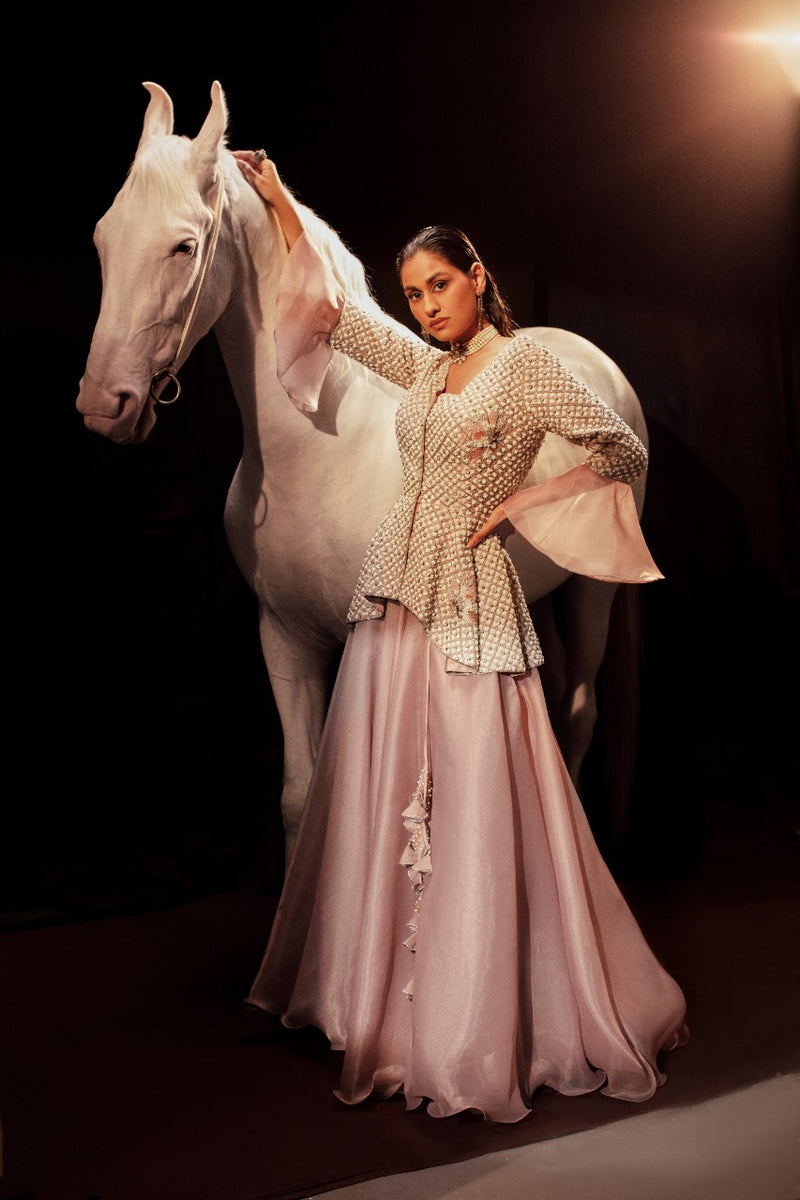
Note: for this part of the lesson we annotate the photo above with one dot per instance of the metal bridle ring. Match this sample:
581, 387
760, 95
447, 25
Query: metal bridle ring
164, 374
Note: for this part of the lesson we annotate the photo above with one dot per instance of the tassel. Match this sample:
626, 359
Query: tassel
416, 857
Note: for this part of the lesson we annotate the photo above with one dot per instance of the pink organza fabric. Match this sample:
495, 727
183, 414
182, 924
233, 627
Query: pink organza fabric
307, 310
587, 524
529, 968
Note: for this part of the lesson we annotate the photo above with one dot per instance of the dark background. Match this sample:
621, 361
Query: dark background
627, 172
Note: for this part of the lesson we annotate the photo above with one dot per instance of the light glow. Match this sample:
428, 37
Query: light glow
785, 44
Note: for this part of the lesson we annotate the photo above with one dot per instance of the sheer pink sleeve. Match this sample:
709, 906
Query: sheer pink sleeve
586, 523
308, 306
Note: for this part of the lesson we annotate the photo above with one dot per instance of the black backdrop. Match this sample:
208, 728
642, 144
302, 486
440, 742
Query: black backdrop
627, 171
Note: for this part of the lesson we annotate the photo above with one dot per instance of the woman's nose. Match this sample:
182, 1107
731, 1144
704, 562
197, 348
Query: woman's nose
431, 304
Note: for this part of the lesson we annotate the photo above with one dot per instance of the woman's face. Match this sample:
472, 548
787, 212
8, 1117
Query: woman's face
442, 298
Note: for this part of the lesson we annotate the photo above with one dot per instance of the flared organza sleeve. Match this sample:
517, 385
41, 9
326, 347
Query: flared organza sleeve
308, 306
587, 524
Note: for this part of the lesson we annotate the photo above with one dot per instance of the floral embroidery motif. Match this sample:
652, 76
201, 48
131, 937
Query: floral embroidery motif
464, 597
484, 435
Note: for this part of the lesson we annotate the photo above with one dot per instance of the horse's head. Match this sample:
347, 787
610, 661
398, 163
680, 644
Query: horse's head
154, 243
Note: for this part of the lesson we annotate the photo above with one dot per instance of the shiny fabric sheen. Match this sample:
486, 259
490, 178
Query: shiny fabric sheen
530, 968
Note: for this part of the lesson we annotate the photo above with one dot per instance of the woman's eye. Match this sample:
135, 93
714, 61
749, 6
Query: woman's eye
440, 285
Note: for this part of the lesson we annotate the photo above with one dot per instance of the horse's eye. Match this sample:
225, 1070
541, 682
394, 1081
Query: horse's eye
189, 248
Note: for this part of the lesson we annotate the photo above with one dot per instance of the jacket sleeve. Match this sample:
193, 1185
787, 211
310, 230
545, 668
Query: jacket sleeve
308, 307
585, 523
566, 406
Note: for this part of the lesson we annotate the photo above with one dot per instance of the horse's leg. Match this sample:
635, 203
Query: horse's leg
577, 628
620, 692
573, 628
299, 679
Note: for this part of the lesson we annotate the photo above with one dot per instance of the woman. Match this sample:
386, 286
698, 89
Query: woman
447, 919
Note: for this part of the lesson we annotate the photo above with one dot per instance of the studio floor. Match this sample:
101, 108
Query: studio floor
132, 1070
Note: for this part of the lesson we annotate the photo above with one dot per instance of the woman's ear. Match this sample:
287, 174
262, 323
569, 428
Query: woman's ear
478, 277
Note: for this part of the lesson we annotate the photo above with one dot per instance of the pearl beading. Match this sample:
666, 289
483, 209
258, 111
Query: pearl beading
460, 351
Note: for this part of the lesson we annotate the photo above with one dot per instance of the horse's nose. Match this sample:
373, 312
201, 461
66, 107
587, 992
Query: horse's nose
111, 403
120, 413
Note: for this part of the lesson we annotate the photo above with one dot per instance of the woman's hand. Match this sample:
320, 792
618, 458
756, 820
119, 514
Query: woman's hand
262, 173
498, 523
558, 487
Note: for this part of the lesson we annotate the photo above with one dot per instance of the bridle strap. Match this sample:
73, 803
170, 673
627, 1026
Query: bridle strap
169, 372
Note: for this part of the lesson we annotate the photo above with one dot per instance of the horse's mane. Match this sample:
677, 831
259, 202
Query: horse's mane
158, 170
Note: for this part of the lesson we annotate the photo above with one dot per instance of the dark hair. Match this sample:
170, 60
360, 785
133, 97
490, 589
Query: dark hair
455, 247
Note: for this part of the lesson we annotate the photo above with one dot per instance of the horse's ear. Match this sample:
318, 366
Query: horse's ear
212, 135
160, 115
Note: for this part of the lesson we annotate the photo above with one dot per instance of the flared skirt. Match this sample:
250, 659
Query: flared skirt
447, 919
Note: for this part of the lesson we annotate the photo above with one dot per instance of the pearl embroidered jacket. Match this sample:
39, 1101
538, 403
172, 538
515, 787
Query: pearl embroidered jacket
461, 456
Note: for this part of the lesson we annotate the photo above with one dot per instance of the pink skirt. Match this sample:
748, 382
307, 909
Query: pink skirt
447, 920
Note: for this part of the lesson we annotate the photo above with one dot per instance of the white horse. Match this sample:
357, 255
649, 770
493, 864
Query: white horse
186, 247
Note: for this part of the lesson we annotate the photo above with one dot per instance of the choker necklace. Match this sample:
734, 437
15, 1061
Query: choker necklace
460, 351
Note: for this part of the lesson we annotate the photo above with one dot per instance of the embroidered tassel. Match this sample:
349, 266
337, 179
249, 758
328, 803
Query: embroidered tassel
411, 942
417, 855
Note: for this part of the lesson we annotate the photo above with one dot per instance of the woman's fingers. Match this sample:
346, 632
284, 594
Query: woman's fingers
497, 522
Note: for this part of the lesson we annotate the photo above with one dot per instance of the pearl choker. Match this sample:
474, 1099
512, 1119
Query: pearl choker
460, 351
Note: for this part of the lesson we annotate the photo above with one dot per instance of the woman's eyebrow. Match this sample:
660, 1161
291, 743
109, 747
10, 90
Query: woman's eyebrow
430, 279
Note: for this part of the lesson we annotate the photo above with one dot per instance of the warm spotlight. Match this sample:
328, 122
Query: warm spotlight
785, 44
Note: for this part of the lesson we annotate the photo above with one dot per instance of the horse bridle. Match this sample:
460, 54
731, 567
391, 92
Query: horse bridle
169, 372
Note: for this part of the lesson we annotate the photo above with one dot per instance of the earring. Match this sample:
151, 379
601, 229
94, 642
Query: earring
480, 310
425, 334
